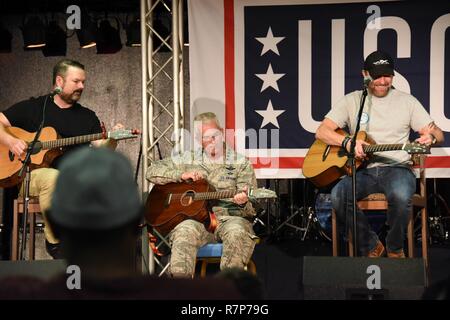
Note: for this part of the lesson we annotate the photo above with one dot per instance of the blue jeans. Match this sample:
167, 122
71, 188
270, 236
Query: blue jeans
397, 183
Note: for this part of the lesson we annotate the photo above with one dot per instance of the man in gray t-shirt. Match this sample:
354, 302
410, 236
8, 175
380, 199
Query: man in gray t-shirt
388, 116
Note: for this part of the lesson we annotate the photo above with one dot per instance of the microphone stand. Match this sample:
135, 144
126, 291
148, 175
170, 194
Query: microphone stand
138, 162
32, 149
351, 156
26, 194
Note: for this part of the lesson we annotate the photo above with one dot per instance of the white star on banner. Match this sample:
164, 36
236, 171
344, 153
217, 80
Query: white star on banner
270, 42
270, 115
270, 79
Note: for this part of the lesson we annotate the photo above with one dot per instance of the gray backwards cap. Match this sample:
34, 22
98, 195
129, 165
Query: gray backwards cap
95, 190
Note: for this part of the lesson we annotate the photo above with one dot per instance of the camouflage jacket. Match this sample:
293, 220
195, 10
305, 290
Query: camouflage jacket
233, 173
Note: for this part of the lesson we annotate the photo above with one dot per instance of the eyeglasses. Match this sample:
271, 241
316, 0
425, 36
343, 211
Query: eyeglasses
211, 137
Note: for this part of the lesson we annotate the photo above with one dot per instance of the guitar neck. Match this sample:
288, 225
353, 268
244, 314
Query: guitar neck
383, 147
215, 195
71, 141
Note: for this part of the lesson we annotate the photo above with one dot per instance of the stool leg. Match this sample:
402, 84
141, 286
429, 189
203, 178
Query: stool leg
251, 267
203, 268
351, 251
32, 235
334, 232
411, 235
15, 232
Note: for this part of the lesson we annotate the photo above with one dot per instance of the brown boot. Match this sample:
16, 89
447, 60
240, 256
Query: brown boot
399, 254
378, 251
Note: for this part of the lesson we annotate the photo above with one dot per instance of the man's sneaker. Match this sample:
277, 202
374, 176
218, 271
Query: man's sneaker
53, 250
378, 251
400, 254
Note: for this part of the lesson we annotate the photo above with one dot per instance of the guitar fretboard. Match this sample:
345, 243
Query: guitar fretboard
383, 147
214, 195
71, 141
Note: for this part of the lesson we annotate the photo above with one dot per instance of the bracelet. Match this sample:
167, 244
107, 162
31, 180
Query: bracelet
345, 141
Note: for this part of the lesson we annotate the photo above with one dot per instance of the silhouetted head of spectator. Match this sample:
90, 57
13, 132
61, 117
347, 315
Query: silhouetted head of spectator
248, 285
95, 211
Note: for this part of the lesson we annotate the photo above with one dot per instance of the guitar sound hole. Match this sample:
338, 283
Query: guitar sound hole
187, 198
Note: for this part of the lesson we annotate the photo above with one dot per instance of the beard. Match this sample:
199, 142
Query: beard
214, 149
381, 90
71, 98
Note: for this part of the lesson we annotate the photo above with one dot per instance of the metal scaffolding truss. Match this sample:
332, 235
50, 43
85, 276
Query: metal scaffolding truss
162, 64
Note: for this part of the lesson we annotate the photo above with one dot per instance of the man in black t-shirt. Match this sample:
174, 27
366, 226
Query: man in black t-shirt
66, 116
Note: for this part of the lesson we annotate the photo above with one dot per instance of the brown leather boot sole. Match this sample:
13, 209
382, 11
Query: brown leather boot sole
400, 254
378, 251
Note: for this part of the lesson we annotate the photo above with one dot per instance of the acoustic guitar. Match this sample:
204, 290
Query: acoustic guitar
168, 205
45, 150
324, 164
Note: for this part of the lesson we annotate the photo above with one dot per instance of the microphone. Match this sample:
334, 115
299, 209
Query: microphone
367, 81
55, 91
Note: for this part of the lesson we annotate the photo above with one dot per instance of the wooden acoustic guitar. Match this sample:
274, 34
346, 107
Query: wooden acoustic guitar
45, 150
168, 205
324, 164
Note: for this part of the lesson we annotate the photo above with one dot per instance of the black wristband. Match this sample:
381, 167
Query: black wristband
345, 141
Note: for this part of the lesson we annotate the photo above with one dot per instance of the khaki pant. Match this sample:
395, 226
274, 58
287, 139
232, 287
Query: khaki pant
186, 238
42, 183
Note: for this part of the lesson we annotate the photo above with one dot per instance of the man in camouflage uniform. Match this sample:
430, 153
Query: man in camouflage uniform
225, 170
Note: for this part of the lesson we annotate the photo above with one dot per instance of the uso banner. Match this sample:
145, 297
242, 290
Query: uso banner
272, 69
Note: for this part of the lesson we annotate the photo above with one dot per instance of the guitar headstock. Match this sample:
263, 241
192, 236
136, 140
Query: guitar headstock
416, 148
123, 134
262, 193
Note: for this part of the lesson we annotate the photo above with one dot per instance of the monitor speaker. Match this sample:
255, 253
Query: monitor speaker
43, 269
361, 278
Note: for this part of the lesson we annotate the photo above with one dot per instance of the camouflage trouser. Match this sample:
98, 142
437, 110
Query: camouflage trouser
42, 183
235, 233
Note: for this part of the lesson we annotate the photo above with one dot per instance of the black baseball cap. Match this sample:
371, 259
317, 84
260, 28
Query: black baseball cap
378, 64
